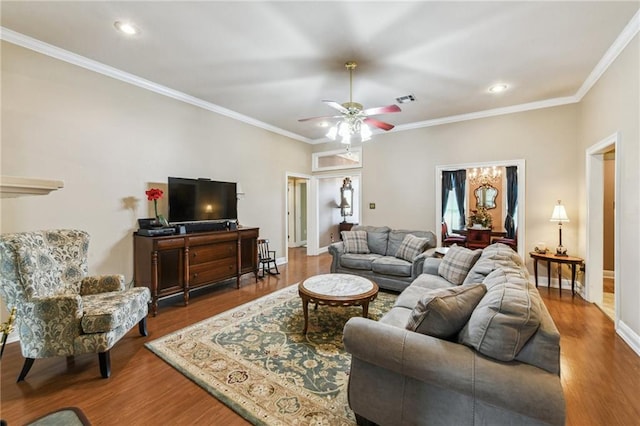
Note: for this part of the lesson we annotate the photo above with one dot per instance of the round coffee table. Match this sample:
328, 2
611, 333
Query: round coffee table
336, 290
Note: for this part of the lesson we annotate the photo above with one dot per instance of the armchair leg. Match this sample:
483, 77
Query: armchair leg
105, 364
28, 363
142, 326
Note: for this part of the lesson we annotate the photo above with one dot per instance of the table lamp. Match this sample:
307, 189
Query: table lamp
560, 215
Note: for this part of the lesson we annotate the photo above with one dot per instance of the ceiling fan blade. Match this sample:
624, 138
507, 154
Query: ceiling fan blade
379, 124
337, 106
323, 117
382, 110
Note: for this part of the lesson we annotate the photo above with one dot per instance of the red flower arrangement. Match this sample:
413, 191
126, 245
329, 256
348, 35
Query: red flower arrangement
154, 194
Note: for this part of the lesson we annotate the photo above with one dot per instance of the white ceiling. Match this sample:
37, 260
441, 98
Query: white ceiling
272, 63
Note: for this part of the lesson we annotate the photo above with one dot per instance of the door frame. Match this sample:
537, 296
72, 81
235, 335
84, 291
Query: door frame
308, 178
594, 264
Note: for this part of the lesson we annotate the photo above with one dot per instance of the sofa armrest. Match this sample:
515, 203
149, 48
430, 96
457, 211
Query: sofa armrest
431, 265
336, 250
514, 386
418, 262
101, 284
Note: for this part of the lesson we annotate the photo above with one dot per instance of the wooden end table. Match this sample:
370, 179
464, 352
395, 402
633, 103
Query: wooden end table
336, 290
560, 260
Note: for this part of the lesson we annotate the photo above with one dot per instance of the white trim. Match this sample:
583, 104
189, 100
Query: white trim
610, 55
316, 155
521, 195
608, 274
627, 334
594, 237
81, 61
623, 39
14, 186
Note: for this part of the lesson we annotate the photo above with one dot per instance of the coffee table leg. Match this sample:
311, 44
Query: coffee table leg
365, 309
305, 311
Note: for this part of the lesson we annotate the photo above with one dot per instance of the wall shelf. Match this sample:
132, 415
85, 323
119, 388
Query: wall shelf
12, 186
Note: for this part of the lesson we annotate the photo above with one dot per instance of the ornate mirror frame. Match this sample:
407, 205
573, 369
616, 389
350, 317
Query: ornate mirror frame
486, 196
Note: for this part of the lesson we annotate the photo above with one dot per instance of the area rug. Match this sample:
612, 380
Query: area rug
255, 359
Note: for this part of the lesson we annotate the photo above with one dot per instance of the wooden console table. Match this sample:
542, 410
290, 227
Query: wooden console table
176, 264
560, 260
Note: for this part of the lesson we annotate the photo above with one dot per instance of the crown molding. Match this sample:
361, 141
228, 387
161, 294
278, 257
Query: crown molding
610, 55
627, 34
81, 61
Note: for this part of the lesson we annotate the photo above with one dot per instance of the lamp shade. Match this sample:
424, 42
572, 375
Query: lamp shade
559, 213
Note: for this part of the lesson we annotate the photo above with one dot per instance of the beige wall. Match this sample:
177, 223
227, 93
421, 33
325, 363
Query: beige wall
328, 210
613, 105
399, 171
108, 141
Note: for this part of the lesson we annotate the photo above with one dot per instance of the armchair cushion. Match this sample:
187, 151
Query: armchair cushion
101, 284
104, 312
457, 262
411, 247
442, 313
355, 242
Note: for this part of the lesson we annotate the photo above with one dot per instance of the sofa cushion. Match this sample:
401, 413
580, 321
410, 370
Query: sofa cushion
457, 262
388, 265
442, 313
492, 257
506, 317
355, 242
358, 261
396, 237
432, 282
377, 237
411, 247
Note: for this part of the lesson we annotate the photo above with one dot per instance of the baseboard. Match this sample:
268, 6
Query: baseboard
609, 274
324, 249
281, 260
13, 337
566, 283
629, 336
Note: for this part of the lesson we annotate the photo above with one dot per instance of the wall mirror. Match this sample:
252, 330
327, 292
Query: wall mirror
486, 196
346, 199
348, 158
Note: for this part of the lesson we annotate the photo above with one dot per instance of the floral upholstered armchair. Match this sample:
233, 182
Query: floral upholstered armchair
60, 310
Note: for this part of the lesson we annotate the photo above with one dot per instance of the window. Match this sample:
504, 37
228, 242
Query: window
451, 213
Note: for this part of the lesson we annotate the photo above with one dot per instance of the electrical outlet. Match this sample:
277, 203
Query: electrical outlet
372, 206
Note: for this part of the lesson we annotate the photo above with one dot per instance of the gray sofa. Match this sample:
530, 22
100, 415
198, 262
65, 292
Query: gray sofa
501, 368
381, 265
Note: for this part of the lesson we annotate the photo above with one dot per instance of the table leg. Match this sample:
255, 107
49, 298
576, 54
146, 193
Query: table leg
573, 277
535, 270
548, 274
560, 278
305, 311
365, 309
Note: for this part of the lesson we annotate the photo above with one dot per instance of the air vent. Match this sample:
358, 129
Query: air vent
405, 99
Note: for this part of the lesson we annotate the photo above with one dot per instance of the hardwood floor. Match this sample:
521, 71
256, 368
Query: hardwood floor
600, 373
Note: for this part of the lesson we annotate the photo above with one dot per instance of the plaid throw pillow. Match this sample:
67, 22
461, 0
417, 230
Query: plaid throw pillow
411, 247
355, 242
457, 262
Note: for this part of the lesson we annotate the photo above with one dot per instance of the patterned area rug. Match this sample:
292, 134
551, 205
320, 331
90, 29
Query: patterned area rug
255, 359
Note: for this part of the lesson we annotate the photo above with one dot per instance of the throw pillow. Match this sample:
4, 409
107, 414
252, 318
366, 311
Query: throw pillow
411, 247
355, 242
457, 262
442, 313
506, 317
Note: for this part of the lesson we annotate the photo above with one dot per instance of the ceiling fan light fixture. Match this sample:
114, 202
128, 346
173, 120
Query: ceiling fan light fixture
333, 133
346, 139
365, 133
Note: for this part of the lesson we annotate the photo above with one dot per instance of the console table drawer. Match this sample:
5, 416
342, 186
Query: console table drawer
169, 243
204, 254
212, 271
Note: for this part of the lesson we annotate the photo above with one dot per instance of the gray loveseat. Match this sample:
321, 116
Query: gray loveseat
381, 264
501, 368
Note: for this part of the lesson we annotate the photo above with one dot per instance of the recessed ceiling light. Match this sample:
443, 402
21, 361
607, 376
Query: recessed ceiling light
497, 88
126, 27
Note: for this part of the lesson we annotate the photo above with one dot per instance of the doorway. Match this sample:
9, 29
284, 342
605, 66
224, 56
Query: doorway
297, 196
602, 226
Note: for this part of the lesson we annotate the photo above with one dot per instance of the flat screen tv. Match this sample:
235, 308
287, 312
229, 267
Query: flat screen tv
193, 200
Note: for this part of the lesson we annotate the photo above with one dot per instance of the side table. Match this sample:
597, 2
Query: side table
560, 260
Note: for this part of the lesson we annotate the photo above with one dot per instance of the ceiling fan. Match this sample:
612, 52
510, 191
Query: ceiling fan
355, 120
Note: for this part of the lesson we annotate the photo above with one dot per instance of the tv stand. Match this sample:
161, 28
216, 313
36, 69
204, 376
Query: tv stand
176, 264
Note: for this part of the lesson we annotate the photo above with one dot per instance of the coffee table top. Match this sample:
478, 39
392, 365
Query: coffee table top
338, 285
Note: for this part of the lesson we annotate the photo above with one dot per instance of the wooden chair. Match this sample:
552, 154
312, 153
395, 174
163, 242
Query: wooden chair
267, 258
511, 242
478, 238
449, 240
